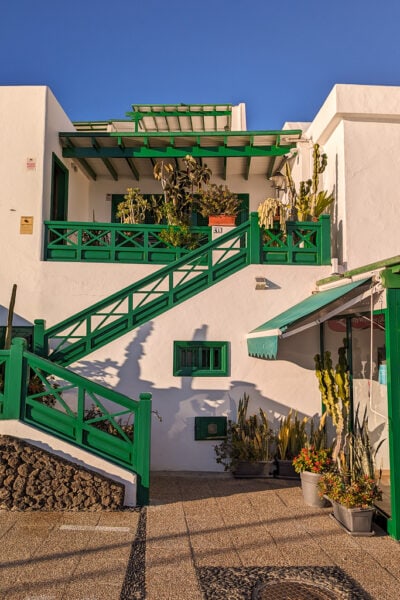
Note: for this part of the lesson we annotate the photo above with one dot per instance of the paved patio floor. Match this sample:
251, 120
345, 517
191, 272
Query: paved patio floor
204, 537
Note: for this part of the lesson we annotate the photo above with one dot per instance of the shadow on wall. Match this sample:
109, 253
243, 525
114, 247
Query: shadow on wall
177, 404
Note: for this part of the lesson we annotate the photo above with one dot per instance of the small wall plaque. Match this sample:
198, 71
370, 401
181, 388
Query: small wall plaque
210, 428
26, 225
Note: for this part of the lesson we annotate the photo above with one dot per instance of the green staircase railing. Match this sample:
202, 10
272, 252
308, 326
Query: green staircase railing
82, 412
113, 242
144, 300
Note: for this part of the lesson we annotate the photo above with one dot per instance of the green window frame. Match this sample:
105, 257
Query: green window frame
201, 359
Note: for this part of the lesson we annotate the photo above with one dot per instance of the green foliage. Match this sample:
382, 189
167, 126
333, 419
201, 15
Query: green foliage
179, 237
291, 436
94, 412
250, 439
270, 210
308, 200
135, 207
180, 187
317, 436
362, 492
353, 480
41, 386
334, 385
218, 200
312, 460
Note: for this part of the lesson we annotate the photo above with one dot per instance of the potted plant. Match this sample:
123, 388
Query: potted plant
219, 204
291, 437
310, 202
273, 213
248, 449
133, 209
311, 463
180, 189
352, 488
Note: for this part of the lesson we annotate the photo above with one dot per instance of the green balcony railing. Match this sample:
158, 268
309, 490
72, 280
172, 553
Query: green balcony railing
304, 243
86, 414
113, 242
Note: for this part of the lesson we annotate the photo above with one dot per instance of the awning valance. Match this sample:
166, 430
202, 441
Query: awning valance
262, 342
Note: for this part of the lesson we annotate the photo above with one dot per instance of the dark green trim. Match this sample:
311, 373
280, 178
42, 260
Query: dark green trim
196, 151
176, 134
59, 190
18, 331
380, 264
392, 328
208, 359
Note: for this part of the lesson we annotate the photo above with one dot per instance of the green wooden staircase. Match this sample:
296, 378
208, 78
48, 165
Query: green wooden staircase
105, 321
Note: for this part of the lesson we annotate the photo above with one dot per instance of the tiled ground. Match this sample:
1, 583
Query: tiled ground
204, 537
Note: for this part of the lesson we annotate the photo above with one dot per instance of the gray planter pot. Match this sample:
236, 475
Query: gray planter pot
357, 521
260, 468
285, 469
309, 486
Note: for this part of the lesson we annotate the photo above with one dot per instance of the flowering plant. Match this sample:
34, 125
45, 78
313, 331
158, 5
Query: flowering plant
312, 460
357, 493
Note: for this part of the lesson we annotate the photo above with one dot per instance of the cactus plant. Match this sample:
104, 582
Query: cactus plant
249, 439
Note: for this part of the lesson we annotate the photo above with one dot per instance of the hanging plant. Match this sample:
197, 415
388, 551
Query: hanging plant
271, 211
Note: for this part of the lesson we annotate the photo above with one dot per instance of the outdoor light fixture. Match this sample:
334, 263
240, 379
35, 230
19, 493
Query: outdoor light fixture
278, 181
261, 283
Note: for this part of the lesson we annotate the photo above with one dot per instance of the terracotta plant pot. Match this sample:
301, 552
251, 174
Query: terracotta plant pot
222, 220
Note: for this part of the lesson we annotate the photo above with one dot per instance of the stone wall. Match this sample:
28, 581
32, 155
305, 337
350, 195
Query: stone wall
33, 479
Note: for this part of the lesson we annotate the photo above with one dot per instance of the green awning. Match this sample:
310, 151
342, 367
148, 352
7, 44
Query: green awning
262, 342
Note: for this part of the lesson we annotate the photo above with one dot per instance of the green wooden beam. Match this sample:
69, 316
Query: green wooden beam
247, 169
271, 166
105, 160
87, 168
133, 169
175, 152
131, 165
84, 164
196, 134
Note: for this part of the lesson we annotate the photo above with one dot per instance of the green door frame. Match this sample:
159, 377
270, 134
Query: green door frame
59, 190
393, 389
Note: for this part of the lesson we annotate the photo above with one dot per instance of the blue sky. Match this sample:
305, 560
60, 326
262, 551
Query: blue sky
282, 59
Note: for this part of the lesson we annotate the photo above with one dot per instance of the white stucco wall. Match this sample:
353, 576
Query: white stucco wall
359, 129
142, 362
362, 167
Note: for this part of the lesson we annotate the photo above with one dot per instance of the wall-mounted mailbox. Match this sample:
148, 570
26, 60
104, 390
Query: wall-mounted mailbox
210, 428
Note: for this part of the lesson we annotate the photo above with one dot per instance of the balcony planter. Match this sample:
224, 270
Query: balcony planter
356, 521
222, 220
261, 468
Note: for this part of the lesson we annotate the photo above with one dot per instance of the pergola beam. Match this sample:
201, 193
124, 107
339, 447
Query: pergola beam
175, 152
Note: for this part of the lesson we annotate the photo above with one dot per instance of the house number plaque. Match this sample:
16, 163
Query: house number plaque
26, 225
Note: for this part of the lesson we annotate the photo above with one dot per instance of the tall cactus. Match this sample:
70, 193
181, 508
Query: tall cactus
334, 385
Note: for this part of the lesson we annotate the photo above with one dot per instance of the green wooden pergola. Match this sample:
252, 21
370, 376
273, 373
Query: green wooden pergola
120, 149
